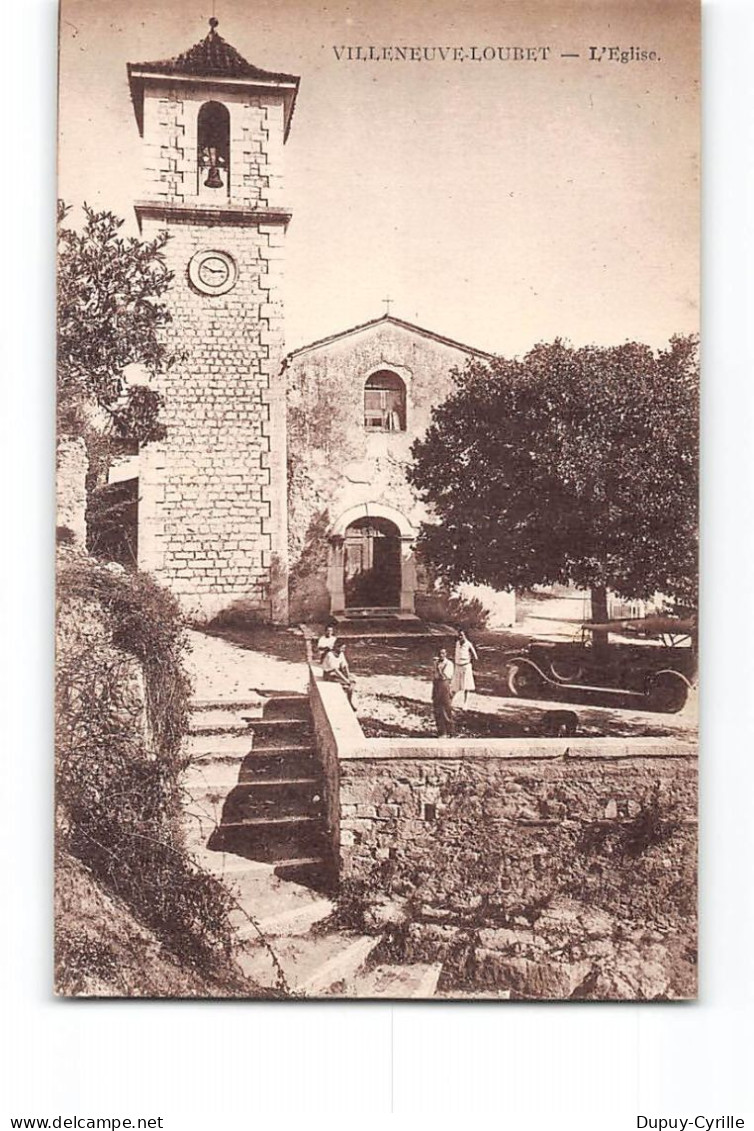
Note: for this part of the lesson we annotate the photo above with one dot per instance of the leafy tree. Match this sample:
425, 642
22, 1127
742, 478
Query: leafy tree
110, 317
570, 465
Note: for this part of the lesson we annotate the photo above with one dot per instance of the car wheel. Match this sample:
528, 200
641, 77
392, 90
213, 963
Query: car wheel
567, 671
667, 692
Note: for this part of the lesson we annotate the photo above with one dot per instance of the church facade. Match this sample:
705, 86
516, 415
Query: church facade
356, 402
280, 489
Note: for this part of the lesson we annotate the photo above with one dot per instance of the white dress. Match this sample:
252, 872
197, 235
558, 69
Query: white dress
463, 677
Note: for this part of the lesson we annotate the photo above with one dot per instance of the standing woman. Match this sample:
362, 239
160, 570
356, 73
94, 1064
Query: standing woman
463, 677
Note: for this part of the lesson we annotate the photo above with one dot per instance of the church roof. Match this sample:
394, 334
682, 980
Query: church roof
389, 319
212, 58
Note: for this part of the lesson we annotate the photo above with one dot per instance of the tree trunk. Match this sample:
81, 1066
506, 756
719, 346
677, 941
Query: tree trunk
600, 636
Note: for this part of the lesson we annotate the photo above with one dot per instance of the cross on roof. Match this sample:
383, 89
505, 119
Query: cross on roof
388, 303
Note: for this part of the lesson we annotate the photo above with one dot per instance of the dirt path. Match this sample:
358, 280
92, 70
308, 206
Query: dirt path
235, 666
221, 669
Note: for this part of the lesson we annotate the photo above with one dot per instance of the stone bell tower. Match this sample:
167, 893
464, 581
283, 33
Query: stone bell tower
212, 496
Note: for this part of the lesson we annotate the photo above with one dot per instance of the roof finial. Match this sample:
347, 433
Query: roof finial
213, 24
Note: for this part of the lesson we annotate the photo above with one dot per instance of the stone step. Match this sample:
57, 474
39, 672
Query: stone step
216, 712
245, 805
313, 966
286, 707
286, 799
199, 824
248, 704
264, 893
336, 974
319, 875
207, 775
418, 980
286, 921
201, 785
280, 764
238, 869
202, 746
284, 907
252, 822
280, 739
272, 839
276, 725
206, 725
314, 873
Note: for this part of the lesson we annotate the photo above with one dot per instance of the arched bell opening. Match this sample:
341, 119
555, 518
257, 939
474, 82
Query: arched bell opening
213, 149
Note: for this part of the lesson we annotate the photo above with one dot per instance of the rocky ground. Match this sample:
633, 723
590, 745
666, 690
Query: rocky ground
565, 950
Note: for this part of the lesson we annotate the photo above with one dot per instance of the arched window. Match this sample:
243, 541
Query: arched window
213, 145
385, 403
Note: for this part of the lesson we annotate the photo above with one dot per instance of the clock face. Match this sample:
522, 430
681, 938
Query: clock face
212, 272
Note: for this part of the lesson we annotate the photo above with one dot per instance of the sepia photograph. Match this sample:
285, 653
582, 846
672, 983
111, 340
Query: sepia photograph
377, 472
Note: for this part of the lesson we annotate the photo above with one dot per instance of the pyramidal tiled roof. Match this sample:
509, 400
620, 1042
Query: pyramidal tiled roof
211, 58
214, 57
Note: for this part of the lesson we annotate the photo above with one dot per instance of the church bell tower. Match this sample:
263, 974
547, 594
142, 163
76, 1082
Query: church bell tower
212, 495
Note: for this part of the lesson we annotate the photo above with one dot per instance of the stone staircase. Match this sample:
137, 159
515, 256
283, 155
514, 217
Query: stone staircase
255, 818
256, 785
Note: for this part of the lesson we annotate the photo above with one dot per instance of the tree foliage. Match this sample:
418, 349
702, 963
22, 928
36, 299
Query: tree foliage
569, 465
110, 317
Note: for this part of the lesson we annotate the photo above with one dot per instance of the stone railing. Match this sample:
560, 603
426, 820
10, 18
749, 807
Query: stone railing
337, 733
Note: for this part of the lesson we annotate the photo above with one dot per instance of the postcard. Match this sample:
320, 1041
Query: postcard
377, 466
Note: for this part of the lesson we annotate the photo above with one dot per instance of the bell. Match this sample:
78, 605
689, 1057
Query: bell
214, 180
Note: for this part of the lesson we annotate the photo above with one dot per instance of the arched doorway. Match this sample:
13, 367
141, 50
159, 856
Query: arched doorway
371, 560
372, 564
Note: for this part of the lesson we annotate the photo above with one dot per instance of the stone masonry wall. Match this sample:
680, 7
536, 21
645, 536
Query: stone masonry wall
212, 508
170, 144
450, 831
71, 472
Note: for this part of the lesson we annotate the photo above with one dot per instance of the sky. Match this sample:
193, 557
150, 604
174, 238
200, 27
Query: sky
498, 202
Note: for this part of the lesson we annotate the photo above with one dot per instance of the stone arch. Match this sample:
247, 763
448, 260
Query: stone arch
373, 510
406, 533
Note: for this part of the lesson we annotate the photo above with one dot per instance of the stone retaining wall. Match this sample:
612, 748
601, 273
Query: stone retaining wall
455, 828
451, 821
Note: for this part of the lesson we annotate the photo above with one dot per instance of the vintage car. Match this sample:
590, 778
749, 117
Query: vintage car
654, 677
